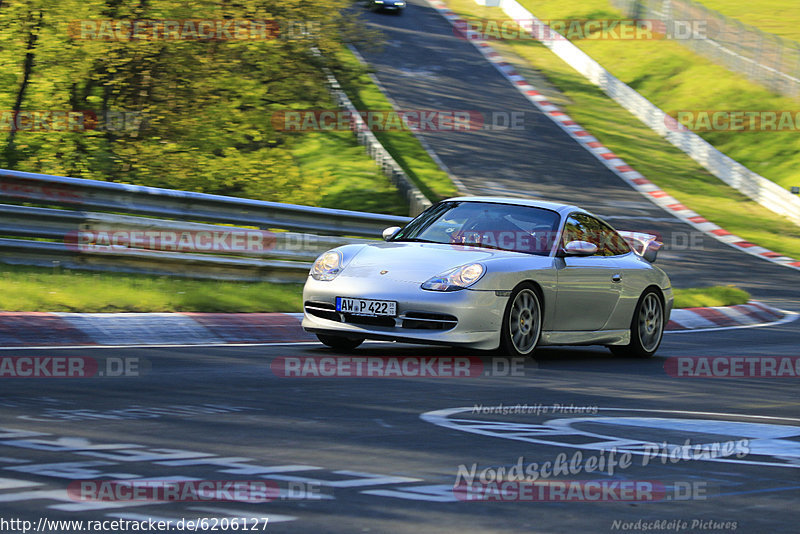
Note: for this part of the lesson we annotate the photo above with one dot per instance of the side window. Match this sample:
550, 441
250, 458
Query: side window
585, 228
614, 244
575, 230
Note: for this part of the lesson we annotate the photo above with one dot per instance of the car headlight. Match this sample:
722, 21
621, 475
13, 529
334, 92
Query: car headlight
455, 279
327, 266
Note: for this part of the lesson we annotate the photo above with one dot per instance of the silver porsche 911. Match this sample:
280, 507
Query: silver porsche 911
491, 273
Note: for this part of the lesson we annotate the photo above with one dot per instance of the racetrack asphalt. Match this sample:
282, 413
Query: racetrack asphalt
354, 454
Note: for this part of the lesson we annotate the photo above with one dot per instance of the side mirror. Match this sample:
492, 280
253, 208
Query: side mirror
390, 232
580, 248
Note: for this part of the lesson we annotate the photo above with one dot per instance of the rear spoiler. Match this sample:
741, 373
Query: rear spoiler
645, 245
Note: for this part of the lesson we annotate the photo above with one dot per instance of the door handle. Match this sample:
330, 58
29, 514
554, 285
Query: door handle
617, 278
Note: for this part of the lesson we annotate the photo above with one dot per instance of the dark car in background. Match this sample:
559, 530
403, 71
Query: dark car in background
395, 6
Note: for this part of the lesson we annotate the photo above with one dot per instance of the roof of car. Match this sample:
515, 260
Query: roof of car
554, 206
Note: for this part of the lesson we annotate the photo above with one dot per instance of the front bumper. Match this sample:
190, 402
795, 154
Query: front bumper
465, 318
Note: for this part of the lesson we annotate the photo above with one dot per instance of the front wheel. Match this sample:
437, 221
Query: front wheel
340, 342
522, 322
647, 328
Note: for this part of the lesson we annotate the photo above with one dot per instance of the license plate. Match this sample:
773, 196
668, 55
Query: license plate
366, 307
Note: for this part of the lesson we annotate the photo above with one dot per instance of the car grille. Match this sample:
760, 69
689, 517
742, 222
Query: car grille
429, 321
323, 310
369, 320
408, 320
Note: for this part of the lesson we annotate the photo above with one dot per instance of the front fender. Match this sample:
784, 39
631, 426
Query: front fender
503, 275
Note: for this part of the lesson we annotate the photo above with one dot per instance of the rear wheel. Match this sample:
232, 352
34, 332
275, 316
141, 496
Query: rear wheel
647, 327
340, 342
522, 322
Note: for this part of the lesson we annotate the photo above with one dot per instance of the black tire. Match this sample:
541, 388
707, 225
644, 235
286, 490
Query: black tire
647, 327
522, 322
340, 342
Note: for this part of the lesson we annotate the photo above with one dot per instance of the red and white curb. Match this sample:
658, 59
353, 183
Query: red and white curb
613, 162
52, 330
27, 329
751, 314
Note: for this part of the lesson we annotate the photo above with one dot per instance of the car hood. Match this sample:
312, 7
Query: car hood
413, 262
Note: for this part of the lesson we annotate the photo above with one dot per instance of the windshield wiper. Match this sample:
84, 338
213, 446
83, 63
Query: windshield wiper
478, 244
416, 240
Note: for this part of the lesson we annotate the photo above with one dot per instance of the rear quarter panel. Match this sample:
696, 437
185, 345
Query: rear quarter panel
638, 275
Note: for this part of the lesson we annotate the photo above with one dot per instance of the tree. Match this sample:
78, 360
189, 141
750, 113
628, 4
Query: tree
190, 113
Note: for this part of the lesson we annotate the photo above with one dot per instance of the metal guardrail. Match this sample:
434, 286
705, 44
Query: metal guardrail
289, 236
154, 201
765, 58
59, 255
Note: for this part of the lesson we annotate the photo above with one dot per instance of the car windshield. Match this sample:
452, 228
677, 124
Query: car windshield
485, 225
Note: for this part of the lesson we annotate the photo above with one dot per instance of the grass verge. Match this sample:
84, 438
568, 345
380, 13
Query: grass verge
625, 135
401, 144
47, 290
348, 178
39, 289
710, 296
774, 16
